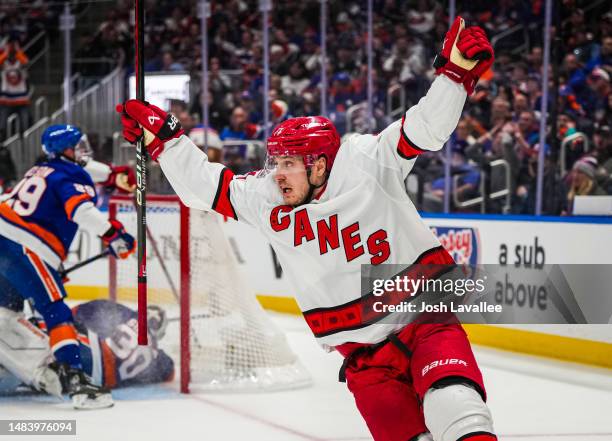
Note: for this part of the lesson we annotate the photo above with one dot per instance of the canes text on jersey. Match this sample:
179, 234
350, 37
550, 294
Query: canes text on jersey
329, 235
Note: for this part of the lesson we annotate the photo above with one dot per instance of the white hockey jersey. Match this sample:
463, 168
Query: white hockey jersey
363, 216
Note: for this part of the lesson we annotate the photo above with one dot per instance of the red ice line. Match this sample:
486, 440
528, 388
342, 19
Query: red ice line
315, 438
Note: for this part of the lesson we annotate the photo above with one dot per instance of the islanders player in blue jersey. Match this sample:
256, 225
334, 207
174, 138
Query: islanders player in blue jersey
38, 221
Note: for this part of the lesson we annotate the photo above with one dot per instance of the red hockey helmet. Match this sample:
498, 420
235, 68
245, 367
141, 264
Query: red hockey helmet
307, 136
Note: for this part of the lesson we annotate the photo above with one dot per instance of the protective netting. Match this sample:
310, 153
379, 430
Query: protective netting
234, 345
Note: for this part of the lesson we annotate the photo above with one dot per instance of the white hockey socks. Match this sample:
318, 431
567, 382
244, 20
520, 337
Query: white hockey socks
457, 412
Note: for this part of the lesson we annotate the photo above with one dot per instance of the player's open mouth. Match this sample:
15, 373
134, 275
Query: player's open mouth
286, 190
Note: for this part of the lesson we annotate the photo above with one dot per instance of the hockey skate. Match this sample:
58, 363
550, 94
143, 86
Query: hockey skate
80, 388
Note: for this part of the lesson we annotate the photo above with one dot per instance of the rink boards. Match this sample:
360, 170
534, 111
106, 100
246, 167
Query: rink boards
475, 239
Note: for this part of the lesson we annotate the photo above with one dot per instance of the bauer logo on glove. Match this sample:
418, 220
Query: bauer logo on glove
466, 55
139, 118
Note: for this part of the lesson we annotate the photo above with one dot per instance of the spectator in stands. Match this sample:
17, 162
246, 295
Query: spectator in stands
602, 152
208, 140
187, 121
111, 42
341, 93
525, 195
566, 126
520, 104
599, 83
576, 77
238, 128
168, 64
582, 181
500, 112
535, 59
218, 109
527, 130
604, 58
534, 92
219, 83
467, 183
235, 158
14, 86
177, 106
344, 60
295, 82
278, 60
462, 138
407, 60
421, 19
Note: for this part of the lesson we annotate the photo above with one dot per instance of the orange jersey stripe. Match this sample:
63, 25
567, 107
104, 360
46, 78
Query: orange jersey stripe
83, 339
108, 359
73, 202
62, 332
47, 237
46, 276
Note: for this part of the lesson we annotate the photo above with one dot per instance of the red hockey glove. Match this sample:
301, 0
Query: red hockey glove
466, 55
121, 178
140, 118
120, 243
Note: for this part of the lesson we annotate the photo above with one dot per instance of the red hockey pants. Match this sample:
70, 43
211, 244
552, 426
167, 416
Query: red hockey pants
389, 379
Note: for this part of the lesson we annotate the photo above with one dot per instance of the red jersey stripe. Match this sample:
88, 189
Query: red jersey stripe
222, 203
405, 147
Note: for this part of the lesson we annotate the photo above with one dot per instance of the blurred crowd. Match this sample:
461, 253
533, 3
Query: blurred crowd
20, 22
501, 119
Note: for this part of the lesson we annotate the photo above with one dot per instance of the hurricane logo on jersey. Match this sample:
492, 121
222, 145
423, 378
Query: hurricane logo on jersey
460, 242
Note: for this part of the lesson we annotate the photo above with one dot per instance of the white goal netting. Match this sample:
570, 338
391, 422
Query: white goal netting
233, 344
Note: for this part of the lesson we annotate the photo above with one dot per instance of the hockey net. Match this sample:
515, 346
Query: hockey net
217, 331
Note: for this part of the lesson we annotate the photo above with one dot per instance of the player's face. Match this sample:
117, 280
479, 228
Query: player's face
292, 179
82, 151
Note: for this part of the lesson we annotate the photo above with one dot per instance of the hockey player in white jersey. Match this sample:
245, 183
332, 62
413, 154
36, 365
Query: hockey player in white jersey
327, 209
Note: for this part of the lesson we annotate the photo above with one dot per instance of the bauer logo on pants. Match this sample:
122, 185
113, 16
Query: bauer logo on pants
443, 362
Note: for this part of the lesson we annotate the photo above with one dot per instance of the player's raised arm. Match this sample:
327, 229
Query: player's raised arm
426, 126
199, 183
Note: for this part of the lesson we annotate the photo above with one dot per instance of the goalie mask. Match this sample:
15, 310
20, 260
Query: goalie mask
156, 321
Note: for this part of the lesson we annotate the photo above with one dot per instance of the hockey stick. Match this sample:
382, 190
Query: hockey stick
63, 273
141, 179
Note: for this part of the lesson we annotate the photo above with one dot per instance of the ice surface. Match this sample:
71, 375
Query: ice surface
531, 399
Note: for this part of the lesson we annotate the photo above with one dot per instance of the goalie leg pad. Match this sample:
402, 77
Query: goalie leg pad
457, 412
24, 352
